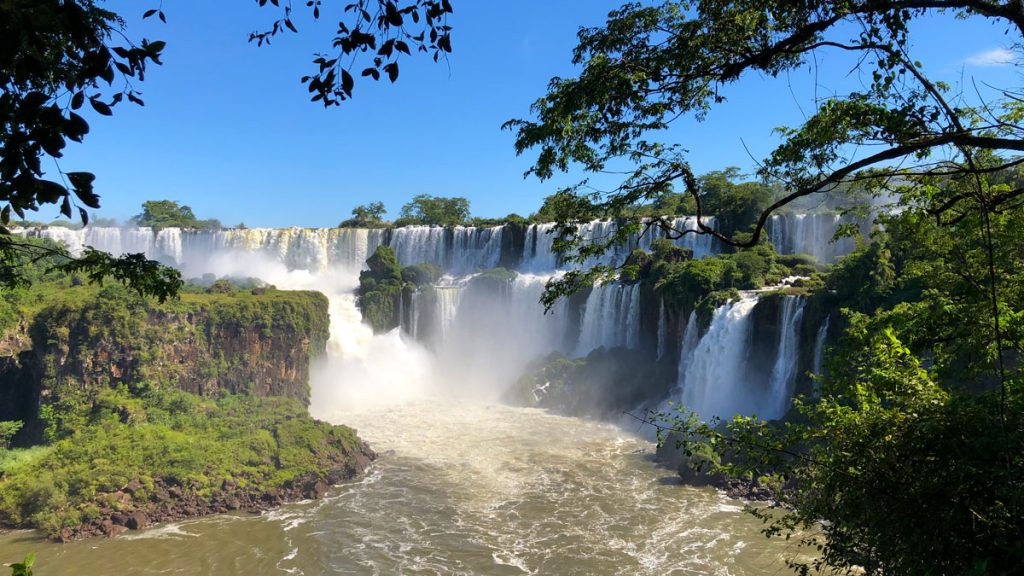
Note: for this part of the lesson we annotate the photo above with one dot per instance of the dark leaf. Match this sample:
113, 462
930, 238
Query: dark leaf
100, 107
76, 127
347, 82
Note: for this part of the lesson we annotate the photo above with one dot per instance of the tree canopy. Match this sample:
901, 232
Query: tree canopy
159, 214
434, 210
366, 216
908, 458
651, 65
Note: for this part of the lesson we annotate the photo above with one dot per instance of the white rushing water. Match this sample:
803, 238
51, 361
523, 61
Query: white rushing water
716, 372
481, 331
610, 318
464, 489
819, 346
810, 234
467, 487
780, 386
715, 375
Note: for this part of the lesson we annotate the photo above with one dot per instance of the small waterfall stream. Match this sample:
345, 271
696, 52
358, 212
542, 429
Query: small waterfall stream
713, 383
780, 387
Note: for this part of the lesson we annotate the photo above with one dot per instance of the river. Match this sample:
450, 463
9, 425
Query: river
461, 488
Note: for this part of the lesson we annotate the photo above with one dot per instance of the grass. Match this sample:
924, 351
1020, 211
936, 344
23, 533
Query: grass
189, 441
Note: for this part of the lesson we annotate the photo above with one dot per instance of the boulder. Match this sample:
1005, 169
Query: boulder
137, 520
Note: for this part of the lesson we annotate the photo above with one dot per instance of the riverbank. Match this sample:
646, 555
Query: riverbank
159, 455
170, 502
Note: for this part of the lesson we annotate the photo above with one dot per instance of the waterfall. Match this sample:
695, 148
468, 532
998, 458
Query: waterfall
686, 348
786, 357
809, 234
819, 346
719, 378
482, 329
538, 249
313, 249
661, 330
610, 318
714, 383
495, 331
459, 250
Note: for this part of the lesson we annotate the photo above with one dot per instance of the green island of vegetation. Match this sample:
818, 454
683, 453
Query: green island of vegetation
119, 411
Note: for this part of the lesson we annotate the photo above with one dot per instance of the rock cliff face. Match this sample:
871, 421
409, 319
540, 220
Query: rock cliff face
237, 342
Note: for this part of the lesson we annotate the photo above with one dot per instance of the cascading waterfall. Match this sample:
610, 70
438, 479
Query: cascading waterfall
459, 250
687, 346
499, 331
191, 250
780, 385
714, 381
661, 330
610, 318
809, 234
716, 377
538, 249
539, 255
819, 346
496, 329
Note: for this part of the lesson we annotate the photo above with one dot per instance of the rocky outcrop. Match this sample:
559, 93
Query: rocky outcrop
239, 342
138, 505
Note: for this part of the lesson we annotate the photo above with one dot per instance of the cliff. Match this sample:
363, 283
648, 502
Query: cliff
79, 339
136, 412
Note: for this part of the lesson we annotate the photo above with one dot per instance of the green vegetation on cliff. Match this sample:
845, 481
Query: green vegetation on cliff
68, 340
196, 404
159, 214
380, 290
198, 444
686, 284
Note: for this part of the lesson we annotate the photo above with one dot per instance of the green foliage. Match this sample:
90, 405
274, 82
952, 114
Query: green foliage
27, 260
145, 276
55, 57
735, 206
686, 284
24, 568
495, 277
380, 290
159, 214
912, 479
192, 442
366, 216
891, 467
422, 274
86, 338
7, 431
434, 210
652, 64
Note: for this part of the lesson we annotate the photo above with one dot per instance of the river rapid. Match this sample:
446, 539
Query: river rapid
461, 488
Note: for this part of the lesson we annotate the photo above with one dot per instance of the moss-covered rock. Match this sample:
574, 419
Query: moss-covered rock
605, 383
82, 339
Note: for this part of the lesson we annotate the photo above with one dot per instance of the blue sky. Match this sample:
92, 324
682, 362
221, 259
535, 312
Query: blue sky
229, 130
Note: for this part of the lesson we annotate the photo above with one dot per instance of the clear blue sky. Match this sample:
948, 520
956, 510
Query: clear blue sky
229, 130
